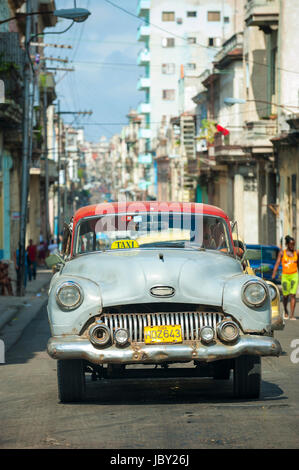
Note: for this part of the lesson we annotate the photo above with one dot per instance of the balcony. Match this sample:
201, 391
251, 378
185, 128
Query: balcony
46, 80
143, 84
232, 49
143, 33
143, 57
145, 158
11, 72
143, 8
261, 12
258, 135
144, 134
144, 108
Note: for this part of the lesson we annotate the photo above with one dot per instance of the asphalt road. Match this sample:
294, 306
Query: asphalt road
162, 414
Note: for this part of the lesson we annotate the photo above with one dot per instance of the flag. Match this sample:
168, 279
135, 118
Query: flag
222, 130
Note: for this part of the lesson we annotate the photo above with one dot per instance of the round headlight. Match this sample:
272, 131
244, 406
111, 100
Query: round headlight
69, 296
254, 294
121, 336
273, 292
207, 334
228, 331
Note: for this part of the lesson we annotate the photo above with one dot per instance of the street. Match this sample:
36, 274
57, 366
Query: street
161, 414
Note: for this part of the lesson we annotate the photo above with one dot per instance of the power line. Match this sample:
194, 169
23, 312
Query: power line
186, 39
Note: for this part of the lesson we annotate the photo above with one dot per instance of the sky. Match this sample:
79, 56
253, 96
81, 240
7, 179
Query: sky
108, 36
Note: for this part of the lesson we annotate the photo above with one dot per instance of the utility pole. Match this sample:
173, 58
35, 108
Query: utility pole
45, 106
58, 164
25, 157
65, 166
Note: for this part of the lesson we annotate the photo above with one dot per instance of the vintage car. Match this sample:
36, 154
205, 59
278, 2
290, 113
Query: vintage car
151, 283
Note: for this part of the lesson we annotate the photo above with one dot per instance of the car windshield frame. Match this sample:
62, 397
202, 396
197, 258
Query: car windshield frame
191, 247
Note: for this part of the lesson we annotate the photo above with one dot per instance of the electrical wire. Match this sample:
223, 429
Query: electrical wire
185, 39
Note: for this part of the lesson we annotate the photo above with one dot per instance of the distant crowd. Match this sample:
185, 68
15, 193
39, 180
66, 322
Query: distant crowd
35, 255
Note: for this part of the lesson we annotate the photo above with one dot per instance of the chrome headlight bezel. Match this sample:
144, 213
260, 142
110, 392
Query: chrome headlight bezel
248, 302
68, 308
273, 292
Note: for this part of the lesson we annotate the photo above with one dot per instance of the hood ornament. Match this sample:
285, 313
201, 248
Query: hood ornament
162, 291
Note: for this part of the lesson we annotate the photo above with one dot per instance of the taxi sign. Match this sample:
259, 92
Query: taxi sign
124, 244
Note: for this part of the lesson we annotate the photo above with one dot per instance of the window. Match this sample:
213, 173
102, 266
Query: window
168, 95
191, 66
191, 40
213, 15
168, 42
216, 42
168, 16
191, 14
168, 69
226, 19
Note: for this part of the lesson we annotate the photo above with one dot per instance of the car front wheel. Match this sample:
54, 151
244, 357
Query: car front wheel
247, 376
71, 380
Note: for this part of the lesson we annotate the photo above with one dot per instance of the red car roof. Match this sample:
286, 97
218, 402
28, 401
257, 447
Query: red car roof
147, 206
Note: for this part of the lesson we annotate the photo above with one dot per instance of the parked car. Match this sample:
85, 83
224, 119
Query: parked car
157, 283
262, 259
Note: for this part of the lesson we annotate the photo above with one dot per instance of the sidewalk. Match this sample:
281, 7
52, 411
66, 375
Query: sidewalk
17, 312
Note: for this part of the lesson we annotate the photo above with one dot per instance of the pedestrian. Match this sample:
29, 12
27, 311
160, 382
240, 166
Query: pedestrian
32, 255
53, 247
5, 280
41, 250
289, 259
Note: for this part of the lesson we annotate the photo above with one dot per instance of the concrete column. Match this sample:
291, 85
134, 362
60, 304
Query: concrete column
239, 204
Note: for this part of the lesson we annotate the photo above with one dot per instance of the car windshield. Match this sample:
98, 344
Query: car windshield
152, 230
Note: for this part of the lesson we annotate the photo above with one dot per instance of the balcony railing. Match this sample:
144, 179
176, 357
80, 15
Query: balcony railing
144, 108
143, 7
144, 133
143, 32
261, 12
143, 57
231, 49
143, 83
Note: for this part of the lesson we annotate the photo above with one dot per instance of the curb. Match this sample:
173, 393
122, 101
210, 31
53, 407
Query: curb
14, 321
12, 331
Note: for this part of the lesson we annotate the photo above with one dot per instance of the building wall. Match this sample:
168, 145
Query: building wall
183, 52
288, 42
288, 167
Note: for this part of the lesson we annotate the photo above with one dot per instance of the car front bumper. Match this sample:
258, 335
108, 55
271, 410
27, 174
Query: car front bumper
75, 347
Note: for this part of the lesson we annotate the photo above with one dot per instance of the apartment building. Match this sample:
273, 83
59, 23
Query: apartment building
181, 40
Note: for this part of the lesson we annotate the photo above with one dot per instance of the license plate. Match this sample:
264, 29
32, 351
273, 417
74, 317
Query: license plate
163, 334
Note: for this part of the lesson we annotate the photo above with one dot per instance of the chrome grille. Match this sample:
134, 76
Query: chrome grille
191, 322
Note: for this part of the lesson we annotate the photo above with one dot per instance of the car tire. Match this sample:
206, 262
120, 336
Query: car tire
71, 380
221, 370
247, 376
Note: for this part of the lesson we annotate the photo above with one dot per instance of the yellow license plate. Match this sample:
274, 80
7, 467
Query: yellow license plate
163, 334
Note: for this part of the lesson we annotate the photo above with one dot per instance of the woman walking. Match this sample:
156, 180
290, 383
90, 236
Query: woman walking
289, 259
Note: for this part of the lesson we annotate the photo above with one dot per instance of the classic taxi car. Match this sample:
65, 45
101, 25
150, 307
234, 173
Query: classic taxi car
157, 283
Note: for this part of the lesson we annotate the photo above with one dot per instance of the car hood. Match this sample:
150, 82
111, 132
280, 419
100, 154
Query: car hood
127, 276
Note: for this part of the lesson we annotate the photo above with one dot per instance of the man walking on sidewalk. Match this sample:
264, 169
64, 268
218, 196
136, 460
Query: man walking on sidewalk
32, 254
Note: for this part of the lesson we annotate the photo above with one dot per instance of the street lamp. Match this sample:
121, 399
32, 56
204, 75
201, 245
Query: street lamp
76, 15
